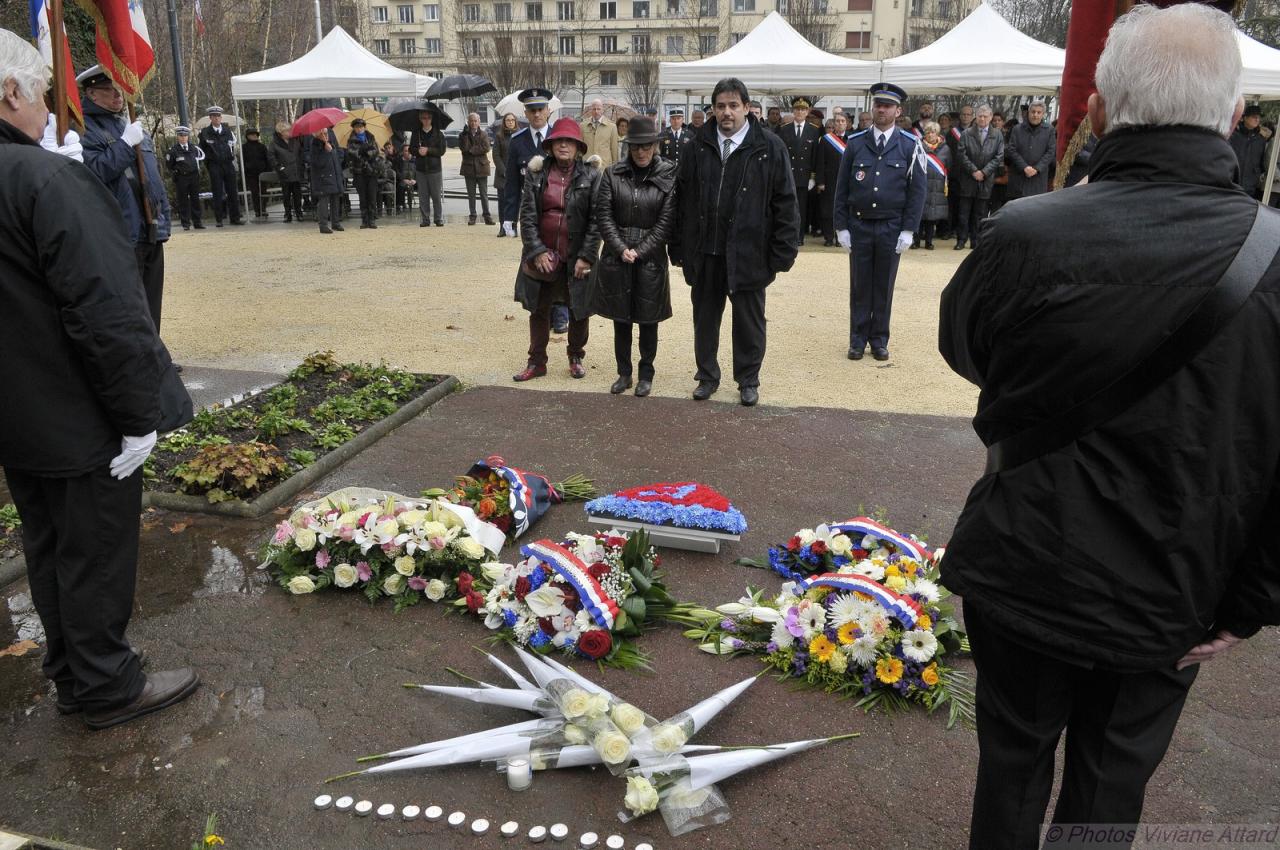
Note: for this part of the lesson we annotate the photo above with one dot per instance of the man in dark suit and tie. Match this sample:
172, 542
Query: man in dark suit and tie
801, 140
675, 137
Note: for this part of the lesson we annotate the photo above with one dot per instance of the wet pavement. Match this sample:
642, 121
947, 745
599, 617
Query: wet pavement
296, 687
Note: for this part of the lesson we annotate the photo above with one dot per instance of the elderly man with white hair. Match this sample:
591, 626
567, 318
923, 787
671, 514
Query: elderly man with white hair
1030, 150
600, 135
1126, 338
88, 386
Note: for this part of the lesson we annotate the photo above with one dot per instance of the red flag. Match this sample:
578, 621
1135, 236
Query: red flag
42, 20
124, 46
199, 18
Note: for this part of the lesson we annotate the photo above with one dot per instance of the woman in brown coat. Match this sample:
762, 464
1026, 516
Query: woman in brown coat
473, 141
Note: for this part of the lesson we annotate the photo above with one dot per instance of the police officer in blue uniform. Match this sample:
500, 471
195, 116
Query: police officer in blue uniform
524, 146
880, 195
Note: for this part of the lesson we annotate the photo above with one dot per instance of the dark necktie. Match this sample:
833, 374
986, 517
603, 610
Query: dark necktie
537, 138
880, 144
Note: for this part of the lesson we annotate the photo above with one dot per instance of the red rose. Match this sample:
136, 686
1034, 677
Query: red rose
475, 601
657, 561
571, 600
793, 544
595, 644
465, 580
503, 523
598, 570
818, 547
616, 542
547, 627
523, 587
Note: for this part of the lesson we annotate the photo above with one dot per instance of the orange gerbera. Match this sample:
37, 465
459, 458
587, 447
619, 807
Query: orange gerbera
929, 675
848, 633
889, 670
821, 648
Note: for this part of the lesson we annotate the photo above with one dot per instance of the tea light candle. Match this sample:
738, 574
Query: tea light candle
615, 842
559, 832
538, 834
509, 829
323, 802
519, 774
363, 808
479, 826
457, 819
643, 846
433, 813
410, 812
344, 804
588, 841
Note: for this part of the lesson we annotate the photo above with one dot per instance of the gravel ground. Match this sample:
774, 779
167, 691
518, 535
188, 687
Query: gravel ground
439, 300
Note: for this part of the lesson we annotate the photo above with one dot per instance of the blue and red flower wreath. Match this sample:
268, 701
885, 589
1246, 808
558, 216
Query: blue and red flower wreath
685, 504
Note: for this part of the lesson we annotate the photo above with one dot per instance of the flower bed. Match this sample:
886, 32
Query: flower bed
10, 531
322, 411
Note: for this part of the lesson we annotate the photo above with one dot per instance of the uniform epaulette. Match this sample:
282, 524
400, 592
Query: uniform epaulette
860, 133
518, 132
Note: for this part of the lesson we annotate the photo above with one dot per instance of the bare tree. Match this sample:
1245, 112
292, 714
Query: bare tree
1043, 20
1261, 20
813, 19
512, 54
703, 28
641, 83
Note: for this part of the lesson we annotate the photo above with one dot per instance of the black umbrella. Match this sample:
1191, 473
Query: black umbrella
459, 85
404, 116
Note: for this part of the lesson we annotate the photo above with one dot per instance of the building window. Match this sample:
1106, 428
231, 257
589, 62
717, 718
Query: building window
914, 41
944, 8
433, 46
431, 12
707, 44
736, 37
568, 45
640, 9
471, 13
382, 46
675, 45
502, 12
379, 14
673, 8
640, 78
472, 47
608, 44
608, 10
408, 46
917, 8
533, 11
568, 79
857, 40
860, 5
640, 43
564, 10
404, 14
608, 78
748, 5
535, 46
708, 8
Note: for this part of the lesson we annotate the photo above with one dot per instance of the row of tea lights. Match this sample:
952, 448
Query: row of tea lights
479, 826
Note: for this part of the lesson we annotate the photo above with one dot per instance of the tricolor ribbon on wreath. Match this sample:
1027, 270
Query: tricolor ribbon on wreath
597, 603
907, 547
907, 610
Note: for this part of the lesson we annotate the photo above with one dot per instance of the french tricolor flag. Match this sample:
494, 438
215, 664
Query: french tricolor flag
42, 32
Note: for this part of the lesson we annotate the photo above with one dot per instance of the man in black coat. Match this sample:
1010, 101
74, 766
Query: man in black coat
1250, 145
1097, 576
428, 145
183, 159
801, 138
737, 227
675, 139
84, 368
219, 145
978, 156
827, 168
257, 161
1031, 148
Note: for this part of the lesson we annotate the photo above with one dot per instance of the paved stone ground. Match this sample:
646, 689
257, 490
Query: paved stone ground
296, 688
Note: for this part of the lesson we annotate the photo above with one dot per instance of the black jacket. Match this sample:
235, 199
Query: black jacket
1034, 145
287, 153
184, 163
1250, 147
219, 147
1129, 546
634, 212
584, 238
802, 148
763, 213
973, 154
826, 163
83, 362
326, 166
435, 144
362, 156
257, 159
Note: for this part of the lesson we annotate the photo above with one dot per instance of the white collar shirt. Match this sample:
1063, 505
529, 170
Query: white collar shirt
736, 139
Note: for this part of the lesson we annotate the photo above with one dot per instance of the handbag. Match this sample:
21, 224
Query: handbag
1215, 310
530, 268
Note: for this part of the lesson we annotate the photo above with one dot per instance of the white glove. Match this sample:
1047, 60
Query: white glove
509, 228
70, 146
812, 183
843, 238
904, 241
133, 453
133, 134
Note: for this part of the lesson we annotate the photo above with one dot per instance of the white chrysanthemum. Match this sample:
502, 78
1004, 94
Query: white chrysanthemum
926, 589
780, 635
862, 651
919, 645
812, 618
846, 609
870, 569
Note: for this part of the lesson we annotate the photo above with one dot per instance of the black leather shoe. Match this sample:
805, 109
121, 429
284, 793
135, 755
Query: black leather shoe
238, 222
643, 388
856, 353
71, 705
959, 245
428, 224
198, 226
881, 354
161, 691
749, 396
928, 246
338, 227
621, 385
828, 243
705, 390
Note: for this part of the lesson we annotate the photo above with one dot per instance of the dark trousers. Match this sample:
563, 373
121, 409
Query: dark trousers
827, 212
367, 192
404, 195
648, 348
540, 330
969, 214
928, 229
291, 193
80, 540
255, 193
478, 185
187, 188
328, 209
150, 256
708, 296
802, 199
1118, 728
873, 266
813, 221
430, 194
226, 197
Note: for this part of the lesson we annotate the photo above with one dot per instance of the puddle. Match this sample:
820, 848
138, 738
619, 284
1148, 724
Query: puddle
26, 622
226, 575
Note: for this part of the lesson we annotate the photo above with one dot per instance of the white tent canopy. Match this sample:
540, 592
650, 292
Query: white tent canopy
984, 52
773, 58
336, 67
1261, 68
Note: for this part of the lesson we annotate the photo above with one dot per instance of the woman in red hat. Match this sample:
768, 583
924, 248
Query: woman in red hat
561, 244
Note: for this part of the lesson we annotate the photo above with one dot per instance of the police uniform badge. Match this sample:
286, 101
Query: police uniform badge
860, 175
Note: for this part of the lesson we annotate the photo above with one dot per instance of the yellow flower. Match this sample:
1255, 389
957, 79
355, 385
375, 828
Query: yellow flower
865, 597
838, 663
892, 570
895, 583
821, 648
211, 839
889, 670
846, 634
924, 621
929, 675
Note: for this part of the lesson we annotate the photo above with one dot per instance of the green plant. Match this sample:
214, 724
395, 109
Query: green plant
9, 519
302, 457
274, 422
231, 471
336, 408
211, 838
323, 362
283, 396
335, 434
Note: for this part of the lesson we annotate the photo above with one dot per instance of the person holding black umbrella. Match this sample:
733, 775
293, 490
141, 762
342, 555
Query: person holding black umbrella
428, 146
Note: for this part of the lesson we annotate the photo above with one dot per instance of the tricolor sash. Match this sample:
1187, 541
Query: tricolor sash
935, 163
955, 133
595, 601
835, 142
907, 610
906, 547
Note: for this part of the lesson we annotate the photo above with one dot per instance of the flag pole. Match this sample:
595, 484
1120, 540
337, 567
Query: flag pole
142, 174
57, 35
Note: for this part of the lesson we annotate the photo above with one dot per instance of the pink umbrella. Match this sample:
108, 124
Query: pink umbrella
317, 119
